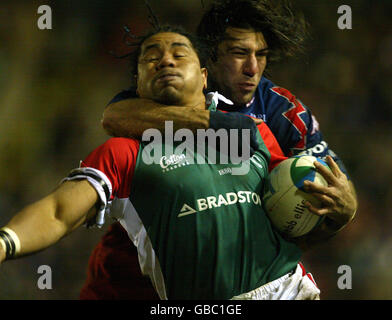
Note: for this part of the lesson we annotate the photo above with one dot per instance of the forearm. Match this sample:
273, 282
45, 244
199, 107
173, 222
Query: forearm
36, 226
46, 221
131, 117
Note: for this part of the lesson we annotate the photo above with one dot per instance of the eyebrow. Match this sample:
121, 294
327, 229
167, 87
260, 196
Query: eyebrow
157, 45
246, 49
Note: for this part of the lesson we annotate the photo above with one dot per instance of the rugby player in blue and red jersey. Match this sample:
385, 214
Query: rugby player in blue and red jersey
245, 36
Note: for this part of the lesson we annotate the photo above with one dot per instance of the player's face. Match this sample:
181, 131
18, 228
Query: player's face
242, 58
169, 70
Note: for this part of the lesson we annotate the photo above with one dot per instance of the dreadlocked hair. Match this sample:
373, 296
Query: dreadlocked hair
284, 31
134, 41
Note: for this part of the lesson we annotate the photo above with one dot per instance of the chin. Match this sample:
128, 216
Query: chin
170, 96
243, 100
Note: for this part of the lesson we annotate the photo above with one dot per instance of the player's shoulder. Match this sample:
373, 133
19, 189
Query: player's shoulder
266, 83
275, 92
265, 86
120, 144
117, 148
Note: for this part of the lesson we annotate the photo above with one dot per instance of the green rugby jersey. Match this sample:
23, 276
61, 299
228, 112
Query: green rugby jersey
201, 232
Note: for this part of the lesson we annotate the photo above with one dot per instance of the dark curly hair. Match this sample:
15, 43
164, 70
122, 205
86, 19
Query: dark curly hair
283, 30
136, 42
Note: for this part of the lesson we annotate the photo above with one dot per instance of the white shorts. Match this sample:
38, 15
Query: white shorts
299, 285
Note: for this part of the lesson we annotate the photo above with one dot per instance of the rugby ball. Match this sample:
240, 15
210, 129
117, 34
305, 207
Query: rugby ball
284, 196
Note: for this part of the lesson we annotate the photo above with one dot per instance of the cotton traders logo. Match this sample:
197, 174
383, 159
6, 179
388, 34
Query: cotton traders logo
167, 150
172, 162
226, 199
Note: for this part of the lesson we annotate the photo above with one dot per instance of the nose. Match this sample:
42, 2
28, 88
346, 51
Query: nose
251, 66
167, 60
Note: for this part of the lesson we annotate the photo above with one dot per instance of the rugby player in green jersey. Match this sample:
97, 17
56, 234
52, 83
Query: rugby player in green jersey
246, 37
244, 46
200, 232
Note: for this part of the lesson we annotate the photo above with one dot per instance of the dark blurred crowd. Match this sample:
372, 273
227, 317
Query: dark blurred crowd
54, 85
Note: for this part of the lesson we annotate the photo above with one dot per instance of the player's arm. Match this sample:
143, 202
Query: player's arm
129, 116
46, 221
335, 199
339, 201
297, 131
339, 198
132, 116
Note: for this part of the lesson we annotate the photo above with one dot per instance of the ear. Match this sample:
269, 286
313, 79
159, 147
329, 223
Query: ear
204, 74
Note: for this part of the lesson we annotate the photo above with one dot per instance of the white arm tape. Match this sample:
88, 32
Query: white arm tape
15, 239
99, 181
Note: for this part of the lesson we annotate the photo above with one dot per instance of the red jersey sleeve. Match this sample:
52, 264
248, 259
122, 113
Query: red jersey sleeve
116, 158
277, 155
